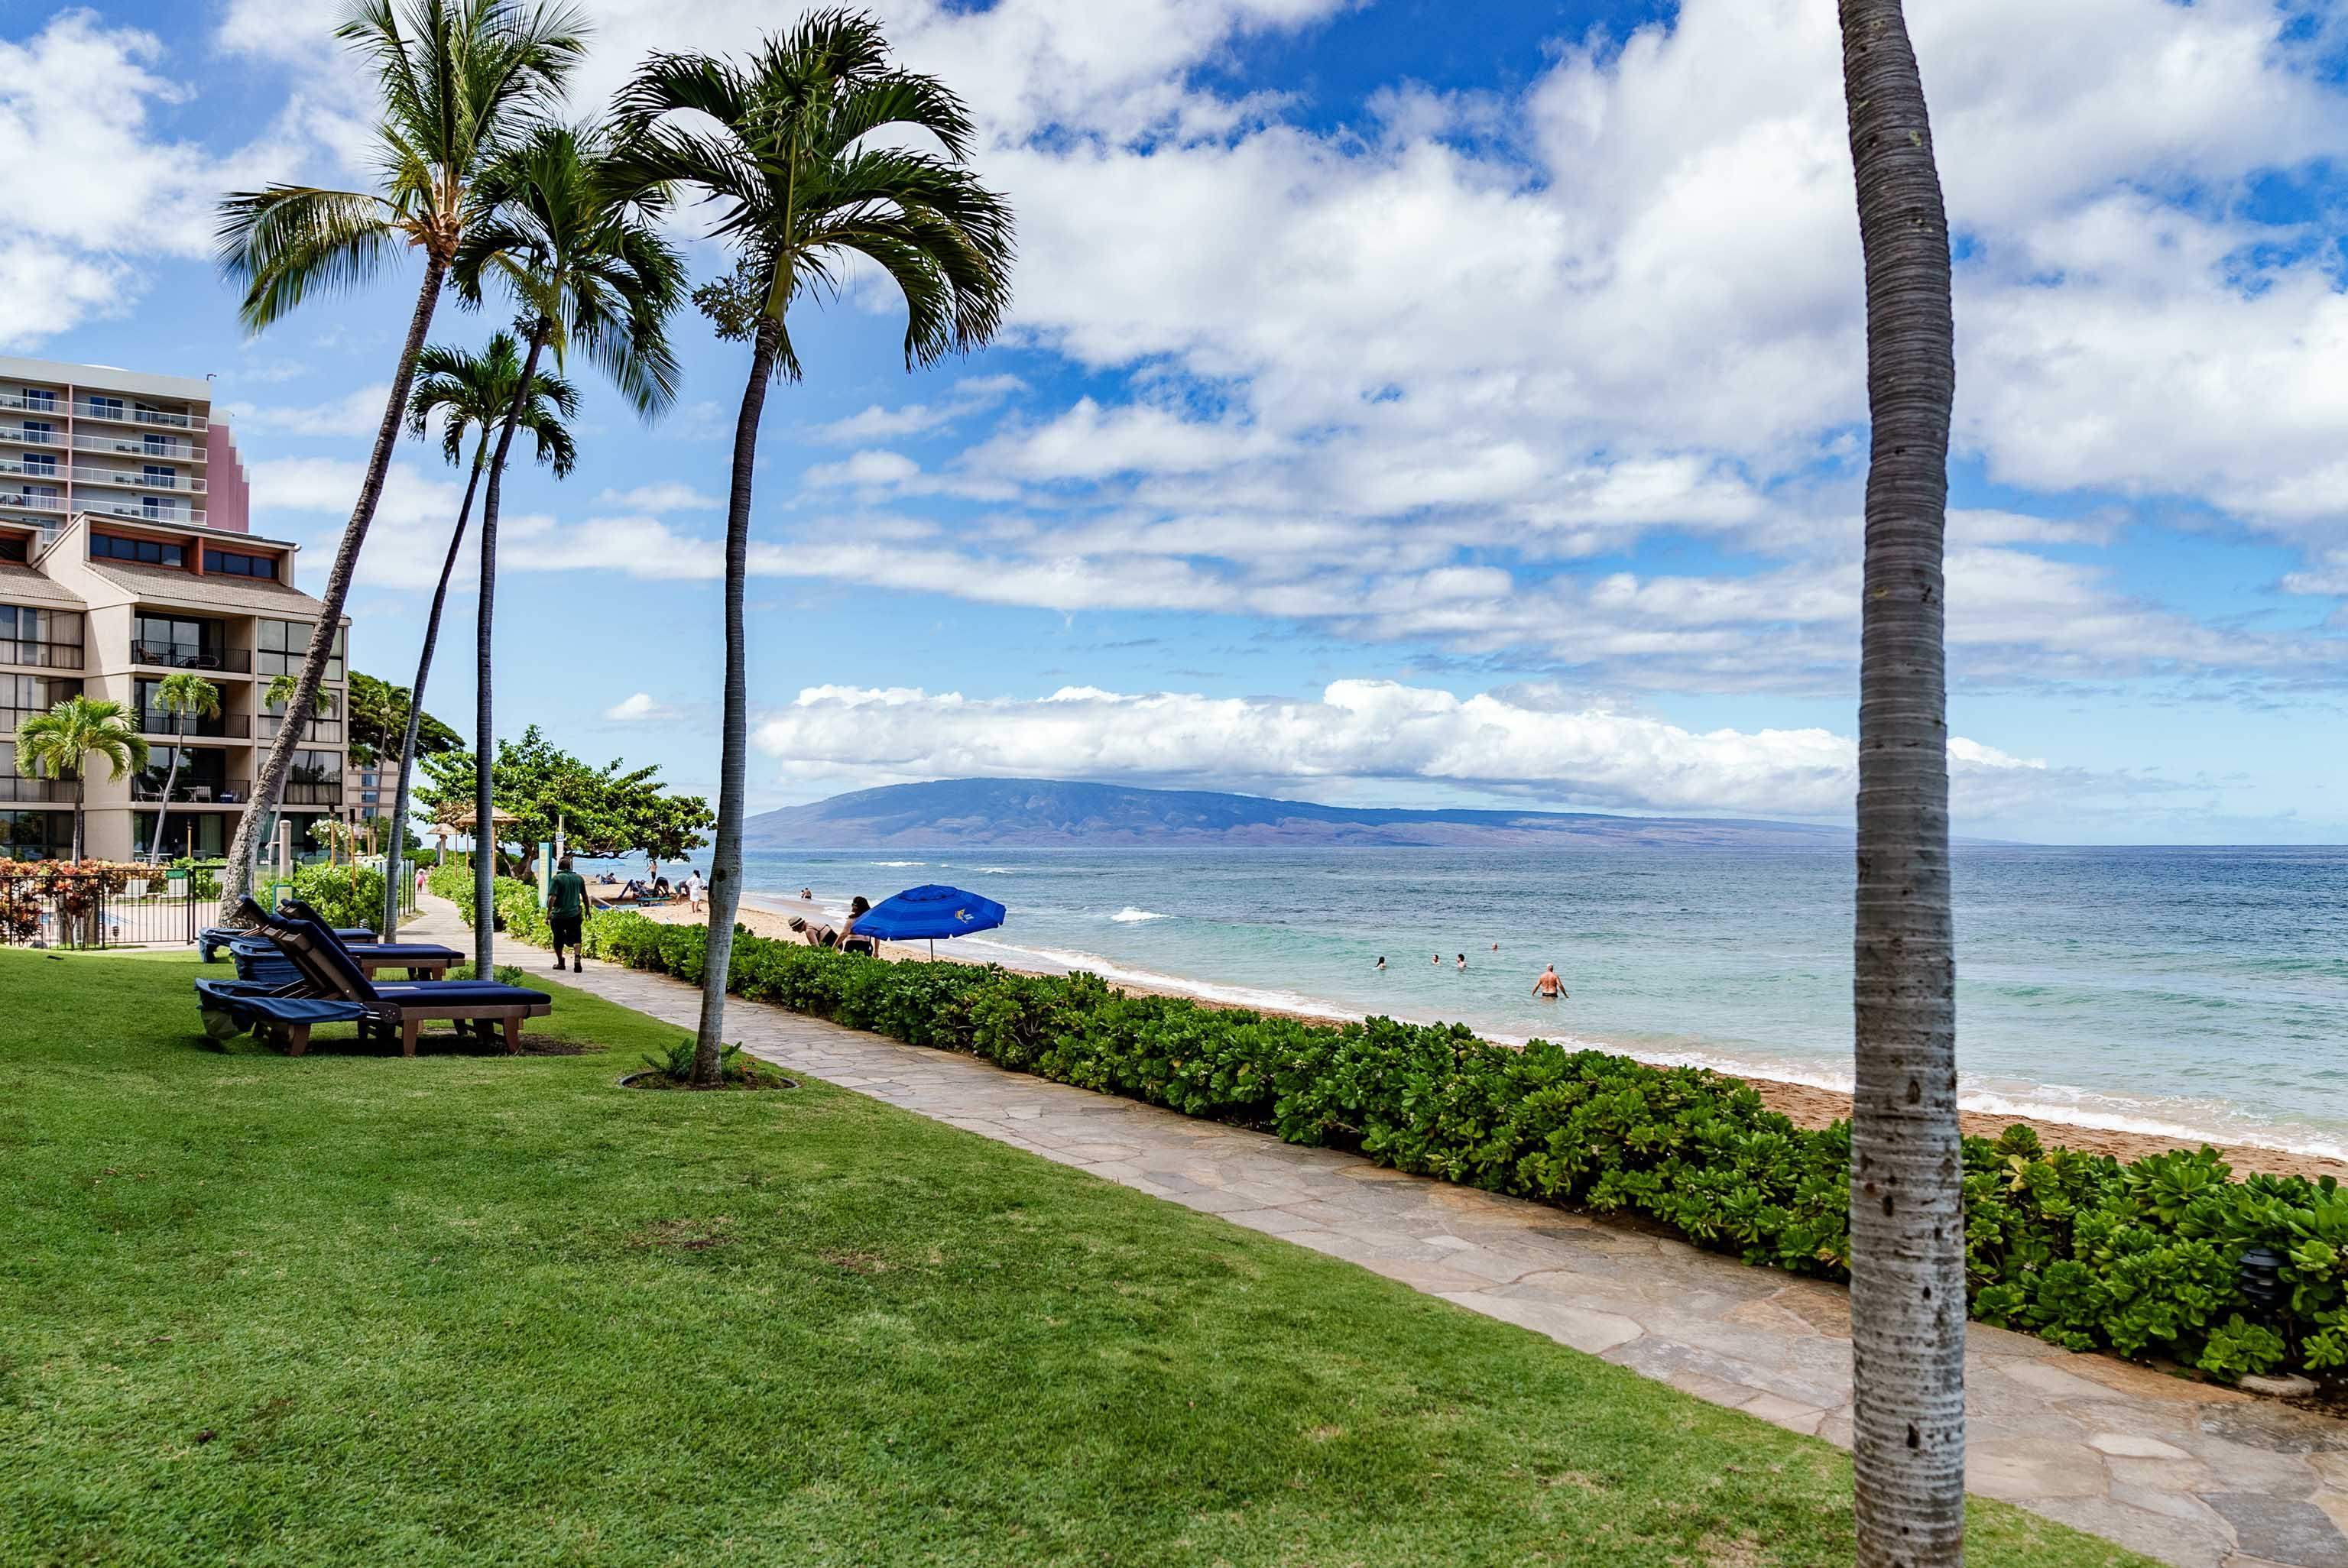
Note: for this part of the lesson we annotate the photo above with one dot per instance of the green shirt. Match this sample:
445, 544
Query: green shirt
566, 894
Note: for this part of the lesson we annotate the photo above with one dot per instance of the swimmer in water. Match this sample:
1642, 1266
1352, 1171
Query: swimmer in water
1463, 963
1382, 963
1548, 988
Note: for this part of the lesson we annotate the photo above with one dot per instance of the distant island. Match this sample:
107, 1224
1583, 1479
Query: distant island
1042, 813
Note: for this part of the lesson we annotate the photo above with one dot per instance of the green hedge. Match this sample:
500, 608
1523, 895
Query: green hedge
346, 895
2140, 1258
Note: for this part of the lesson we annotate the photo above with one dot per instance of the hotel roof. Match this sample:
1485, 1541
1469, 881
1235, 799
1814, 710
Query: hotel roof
22, 584
171, 586
106, 377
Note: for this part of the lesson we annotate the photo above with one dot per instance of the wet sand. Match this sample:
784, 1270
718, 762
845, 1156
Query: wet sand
1805, 1104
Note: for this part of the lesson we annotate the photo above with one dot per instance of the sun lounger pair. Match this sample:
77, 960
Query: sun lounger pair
259, 959
212, 938
337, 990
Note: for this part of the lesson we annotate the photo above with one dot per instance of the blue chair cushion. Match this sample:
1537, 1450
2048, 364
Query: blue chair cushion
459, 993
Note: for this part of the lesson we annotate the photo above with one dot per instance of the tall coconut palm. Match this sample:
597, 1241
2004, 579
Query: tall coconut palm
801, 193
468, 392
460, 80
64, 739
182, 696
574, 239
1907, 1217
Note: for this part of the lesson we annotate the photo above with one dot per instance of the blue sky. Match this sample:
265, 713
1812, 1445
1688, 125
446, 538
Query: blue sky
1403, 403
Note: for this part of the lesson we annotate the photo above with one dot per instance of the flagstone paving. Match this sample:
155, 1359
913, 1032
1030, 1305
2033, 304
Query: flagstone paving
2197, 1475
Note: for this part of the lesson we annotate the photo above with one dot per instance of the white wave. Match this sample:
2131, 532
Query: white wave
1129, 916
896, 863
1066, 960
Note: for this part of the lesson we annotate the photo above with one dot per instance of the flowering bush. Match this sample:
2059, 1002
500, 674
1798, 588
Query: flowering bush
28, 888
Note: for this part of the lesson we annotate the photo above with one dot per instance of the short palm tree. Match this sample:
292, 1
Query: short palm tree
801, 191
461, 79
1907, 1213
64, 739
574, 239
469, 394
182, 696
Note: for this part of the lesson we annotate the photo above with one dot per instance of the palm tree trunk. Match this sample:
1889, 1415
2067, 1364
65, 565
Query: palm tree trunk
485, 833
1907, 1218
269, 786
80, 785
171, 782
726, 855
398, 836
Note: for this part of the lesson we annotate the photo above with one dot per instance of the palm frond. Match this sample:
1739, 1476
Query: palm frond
288, 239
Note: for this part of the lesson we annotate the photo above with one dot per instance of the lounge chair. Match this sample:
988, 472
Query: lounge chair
376, 957
332, 976
212, 938
259, 959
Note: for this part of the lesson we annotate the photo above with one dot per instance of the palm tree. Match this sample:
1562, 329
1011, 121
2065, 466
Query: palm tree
469, 393
574, 239
1907, 1217
63, 739
460, 79
181, 696
800, 195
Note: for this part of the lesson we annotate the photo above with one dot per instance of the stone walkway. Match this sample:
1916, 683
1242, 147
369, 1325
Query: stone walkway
2197, 1476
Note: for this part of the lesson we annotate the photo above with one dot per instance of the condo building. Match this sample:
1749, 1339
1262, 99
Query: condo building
127, 556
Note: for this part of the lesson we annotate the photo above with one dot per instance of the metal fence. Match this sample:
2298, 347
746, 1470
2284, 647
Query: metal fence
45, 912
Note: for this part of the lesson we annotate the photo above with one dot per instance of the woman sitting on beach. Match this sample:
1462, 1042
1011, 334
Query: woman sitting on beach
849, 942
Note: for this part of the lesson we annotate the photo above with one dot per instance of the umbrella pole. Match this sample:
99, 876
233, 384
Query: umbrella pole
933, 949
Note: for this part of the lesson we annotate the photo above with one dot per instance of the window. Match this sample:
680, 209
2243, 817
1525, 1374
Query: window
231, 563
40, 465
161, 474
181, 643
12, 546
43, 398
147, 552
285, 643
29, 636
106, 407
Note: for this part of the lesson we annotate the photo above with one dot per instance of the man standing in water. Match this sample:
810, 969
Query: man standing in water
1548, 988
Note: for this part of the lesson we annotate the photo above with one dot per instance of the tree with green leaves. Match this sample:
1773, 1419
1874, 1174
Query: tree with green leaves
1907, 1170
64, 739
379, 718
182, 696
801, 151
575, 241
469, 394
461, 80
597, 811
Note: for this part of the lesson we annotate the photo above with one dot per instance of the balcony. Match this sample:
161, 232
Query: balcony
319, 731
23, 436
31, 469
154, 448
26, 501
227, 727
215, 792
41, 655
191, 656
138, 510
127, 479
123, 414
36, 791
301, 792
51, 403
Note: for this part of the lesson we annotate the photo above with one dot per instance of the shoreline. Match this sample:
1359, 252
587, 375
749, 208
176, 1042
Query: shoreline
1805, 1104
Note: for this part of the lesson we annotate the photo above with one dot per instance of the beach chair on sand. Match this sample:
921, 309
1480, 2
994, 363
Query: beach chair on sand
338, 991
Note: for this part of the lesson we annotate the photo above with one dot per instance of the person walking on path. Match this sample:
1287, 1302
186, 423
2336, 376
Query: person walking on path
566, 909
1548, 988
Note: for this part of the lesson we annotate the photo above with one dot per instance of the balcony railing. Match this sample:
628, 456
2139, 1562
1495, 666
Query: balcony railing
31, 469
299, 792
227, 727
326, 732
14, 789
157, 448
125, 414
191, 656
41, 655
27, 437
140, 510
35, 404
130, 478
25, 500
213, 791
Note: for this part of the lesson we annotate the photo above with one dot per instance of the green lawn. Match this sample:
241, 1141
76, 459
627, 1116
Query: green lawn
474, 1309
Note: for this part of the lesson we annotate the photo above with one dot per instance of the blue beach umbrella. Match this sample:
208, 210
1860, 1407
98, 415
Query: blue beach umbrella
929, 912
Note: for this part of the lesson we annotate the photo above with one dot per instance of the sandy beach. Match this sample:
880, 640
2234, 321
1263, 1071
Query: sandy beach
1806, 1105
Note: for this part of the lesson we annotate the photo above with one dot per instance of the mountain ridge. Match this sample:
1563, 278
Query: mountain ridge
1069, 813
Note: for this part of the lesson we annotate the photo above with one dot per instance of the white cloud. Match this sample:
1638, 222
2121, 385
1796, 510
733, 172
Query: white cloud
1531, 744
358, 413
639, 708
874, 422
669, 496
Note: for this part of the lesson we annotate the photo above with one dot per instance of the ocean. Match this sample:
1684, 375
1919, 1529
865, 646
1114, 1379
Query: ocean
2189, 992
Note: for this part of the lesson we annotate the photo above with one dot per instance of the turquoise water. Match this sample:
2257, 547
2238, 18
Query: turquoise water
2190, 992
